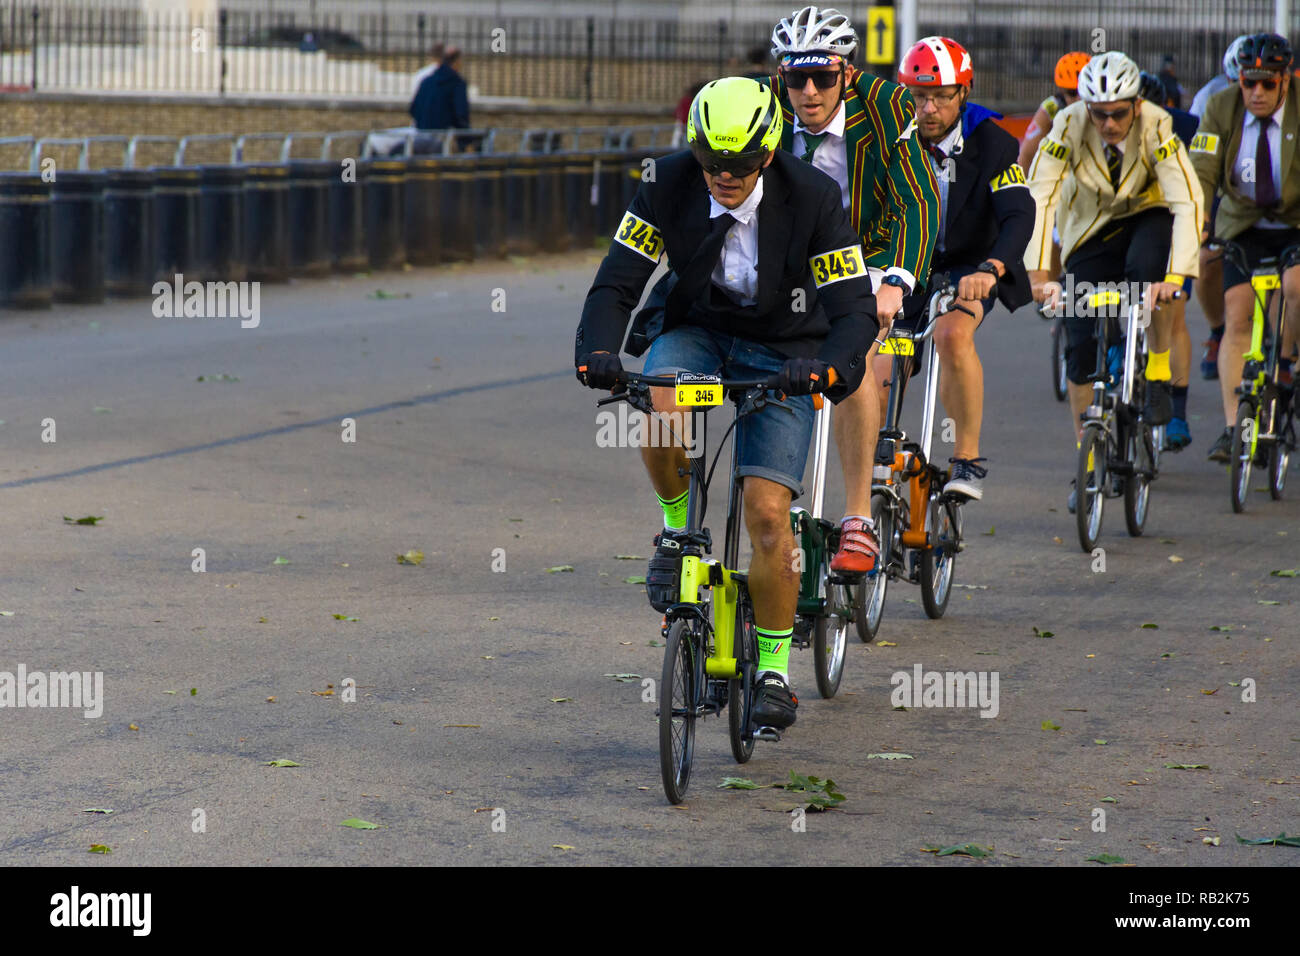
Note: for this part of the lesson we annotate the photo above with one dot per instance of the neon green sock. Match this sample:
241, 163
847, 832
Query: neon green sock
774, 651
1158, 367
674, 511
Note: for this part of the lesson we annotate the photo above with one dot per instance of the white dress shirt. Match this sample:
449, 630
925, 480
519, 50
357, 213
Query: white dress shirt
737, 268
945, 172
831, 156
1248, 162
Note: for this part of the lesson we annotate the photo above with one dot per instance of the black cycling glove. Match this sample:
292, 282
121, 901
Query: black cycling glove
603, 370
797, 376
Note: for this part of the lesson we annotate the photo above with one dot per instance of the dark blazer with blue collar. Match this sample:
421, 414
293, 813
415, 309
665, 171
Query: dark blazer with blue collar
990, 212
813, 293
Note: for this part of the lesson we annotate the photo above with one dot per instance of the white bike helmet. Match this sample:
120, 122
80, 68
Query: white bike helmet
1230, 65
813, 30
1109, 77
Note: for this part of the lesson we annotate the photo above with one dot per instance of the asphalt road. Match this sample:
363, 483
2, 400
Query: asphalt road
472, 436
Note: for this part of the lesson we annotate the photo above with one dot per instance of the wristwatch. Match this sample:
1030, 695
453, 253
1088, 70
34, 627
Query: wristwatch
988, 267
895, 280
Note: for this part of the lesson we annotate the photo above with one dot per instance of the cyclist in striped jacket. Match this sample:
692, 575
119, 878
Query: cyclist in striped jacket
861, 131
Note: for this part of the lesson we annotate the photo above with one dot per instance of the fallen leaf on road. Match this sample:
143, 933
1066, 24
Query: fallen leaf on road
1175, 559
1050, 724
559, 568
1286, 573
344, 617
280, 561
629, 557
560, 846
132, 727
634, 579
1105, 858
411, 557
92, 519
890, 756
282, 763
99, 848
1280, 840
96, 810
1038, 633
624, 678
560, 700
1148, 625
1212, 841
885, 644
356, 824
1187, 766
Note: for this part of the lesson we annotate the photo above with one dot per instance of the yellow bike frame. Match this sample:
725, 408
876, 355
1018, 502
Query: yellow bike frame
705, 573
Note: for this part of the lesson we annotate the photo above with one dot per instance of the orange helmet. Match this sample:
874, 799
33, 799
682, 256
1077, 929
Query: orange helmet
936, 61
1067, 70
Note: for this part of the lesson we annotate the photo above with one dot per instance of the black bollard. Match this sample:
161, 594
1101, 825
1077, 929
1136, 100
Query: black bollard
385, 184
25, 281
549, 227
77, 236
457, 190
266, 218
308, 217
518, 188
579, 215
489, 203
128, 232
424, 210
346, 214
221, 224
175, 221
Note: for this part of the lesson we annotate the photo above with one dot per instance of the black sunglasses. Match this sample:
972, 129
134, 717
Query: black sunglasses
740, 165
1269, 84
1118, 116
822, 79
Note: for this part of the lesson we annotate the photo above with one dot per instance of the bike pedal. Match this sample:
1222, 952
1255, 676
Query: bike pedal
849, 579
767, 733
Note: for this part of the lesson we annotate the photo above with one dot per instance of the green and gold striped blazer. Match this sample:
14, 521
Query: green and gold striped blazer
893, 196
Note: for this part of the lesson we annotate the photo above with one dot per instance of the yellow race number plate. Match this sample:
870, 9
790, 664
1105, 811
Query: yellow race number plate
897, 346
695, 389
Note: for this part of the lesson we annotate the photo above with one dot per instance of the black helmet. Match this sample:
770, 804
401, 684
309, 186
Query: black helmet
1264, 53
1152, 88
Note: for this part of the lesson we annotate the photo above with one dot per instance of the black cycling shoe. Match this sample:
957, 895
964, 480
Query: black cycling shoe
1221, 450
1159, 407
663, 576
774, 703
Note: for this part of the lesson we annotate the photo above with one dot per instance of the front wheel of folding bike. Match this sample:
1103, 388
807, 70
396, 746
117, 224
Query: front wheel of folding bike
679, 694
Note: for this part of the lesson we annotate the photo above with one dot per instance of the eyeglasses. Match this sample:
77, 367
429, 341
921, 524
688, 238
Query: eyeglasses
1269, 85
938, 99
1119, 115
822, 79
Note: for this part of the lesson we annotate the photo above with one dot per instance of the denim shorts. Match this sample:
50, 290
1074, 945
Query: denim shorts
772, 443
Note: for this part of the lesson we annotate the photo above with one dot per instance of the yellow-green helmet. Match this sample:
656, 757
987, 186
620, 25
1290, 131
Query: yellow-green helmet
735, 118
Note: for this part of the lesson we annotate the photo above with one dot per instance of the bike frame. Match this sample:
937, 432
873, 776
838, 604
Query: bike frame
903, 464
699, 572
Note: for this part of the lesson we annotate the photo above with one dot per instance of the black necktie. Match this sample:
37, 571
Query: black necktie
935, 151
692, 280
1113, 163
810, 143
1265, 193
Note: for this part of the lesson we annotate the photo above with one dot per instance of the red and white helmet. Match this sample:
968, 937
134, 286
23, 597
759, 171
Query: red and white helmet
936, 61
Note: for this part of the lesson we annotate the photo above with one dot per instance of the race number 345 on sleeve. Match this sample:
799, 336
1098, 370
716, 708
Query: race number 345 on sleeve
639, 236
837, 265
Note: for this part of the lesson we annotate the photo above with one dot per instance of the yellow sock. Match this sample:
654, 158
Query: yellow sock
1158, 367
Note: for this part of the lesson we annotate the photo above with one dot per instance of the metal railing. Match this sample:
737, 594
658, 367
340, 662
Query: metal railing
371, 143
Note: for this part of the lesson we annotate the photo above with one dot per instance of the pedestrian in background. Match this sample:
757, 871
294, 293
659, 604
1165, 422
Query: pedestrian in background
442, 100
435, 60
